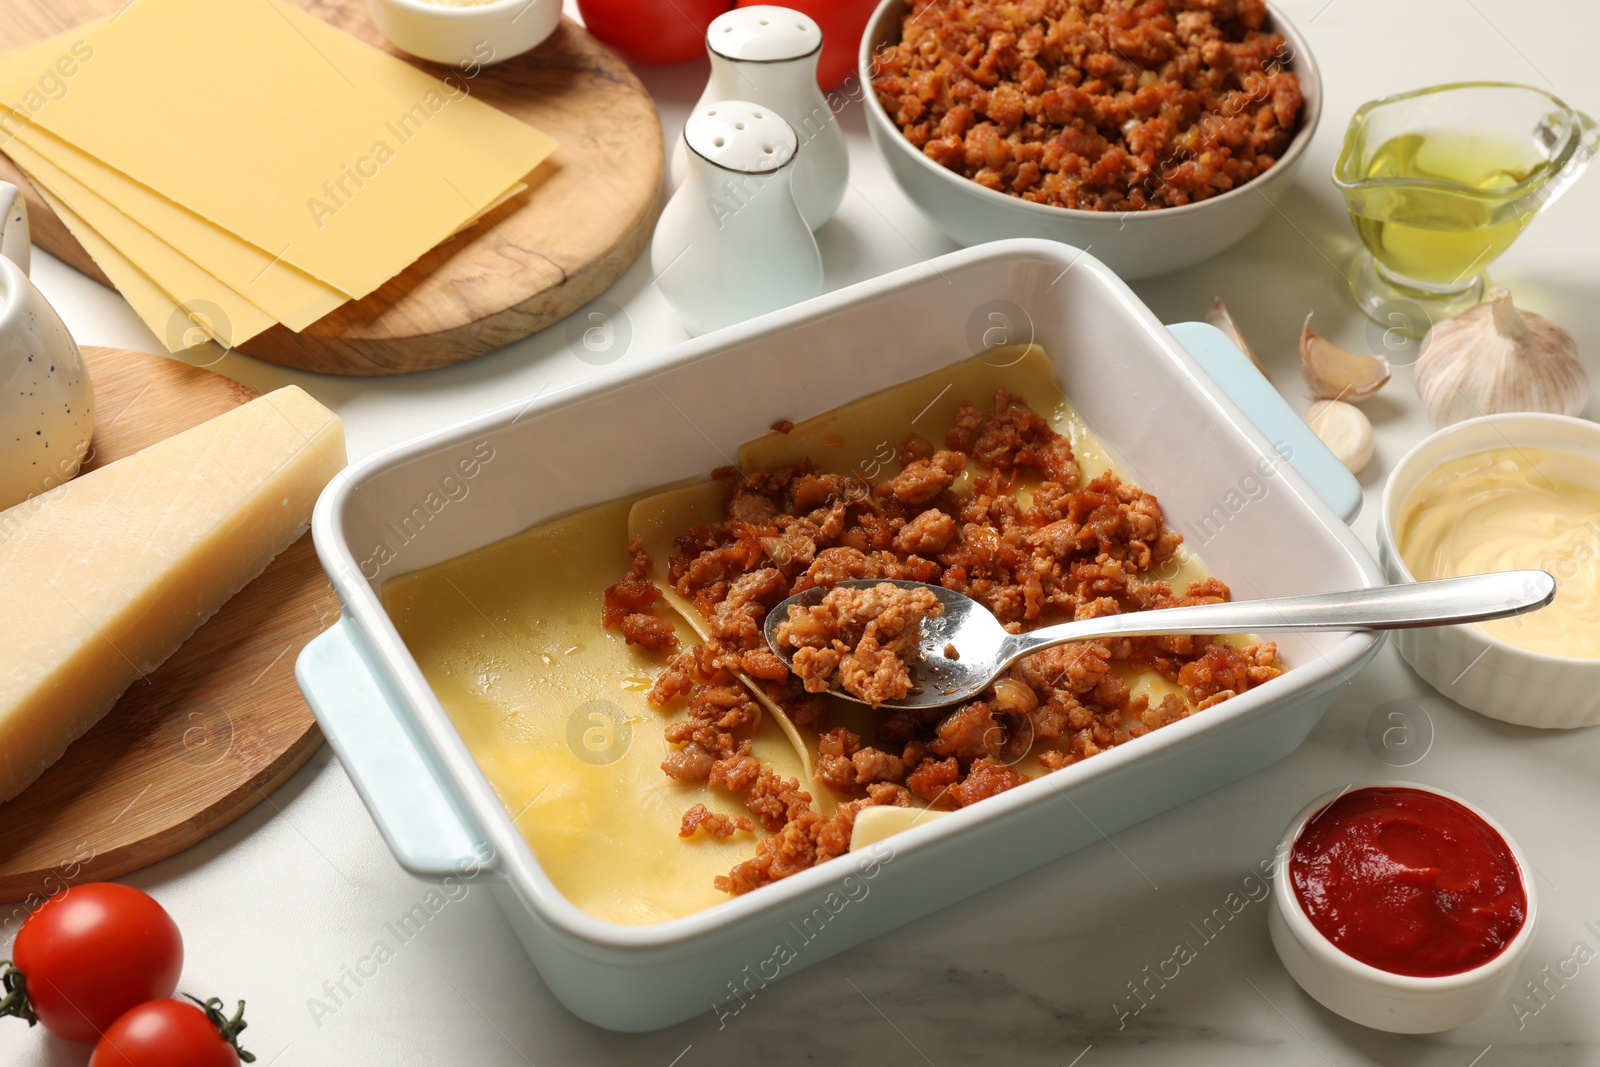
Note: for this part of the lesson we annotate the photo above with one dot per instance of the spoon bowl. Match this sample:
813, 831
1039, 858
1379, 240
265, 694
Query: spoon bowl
983, 648
936, 679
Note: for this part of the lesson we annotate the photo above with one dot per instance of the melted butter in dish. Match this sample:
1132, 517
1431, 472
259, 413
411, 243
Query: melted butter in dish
1512, 508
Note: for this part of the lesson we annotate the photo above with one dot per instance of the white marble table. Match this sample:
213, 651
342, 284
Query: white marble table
278, 906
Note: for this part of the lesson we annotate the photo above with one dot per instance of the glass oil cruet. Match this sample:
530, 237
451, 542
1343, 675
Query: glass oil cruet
1440, 181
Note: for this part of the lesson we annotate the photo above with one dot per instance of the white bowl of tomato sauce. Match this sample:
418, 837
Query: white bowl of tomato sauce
1401, 907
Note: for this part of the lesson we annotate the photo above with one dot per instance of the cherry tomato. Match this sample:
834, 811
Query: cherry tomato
173, 1033
655, 33
843, 22
92, 953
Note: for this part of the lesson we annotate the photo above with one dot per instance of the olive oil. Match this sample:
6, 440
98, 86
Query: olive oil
1455, 211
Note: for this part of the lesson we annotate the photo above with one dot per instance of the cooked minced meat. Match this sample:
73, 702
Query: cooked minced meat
865, 639
628, 606
1067, 549
1102, 105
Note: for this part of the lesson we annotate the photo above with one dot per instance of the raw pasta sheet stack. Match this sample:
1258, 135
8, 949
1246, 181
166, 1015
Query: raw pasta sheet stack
236, 164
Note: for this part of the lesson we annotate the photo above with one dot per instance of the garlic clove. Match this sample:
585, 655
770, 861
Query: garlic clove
1345, 430
1219, 317
1335, 374
1496, 357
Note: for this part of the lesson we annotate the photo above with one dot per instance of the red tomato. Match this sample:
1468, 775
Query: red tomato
172, 1033
92, 953
655, 33
842, 22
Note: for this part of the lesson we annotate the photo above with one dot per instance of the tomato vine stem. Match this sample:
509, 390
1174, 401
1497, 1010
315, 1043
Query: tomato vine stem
229, 1028
15, 1001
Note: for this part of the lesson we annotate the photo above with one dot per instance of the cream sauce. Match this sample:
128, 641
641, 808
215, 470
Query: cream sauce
1512, 509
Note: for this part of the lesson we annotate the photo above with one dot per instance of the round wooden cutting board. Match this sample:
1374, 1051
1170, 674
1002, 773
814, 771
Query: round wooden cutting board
588, 214
207, 736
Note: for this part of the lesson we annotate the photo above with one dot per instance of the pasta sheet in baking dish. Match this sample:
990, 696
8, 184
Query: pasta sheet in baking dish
554, 706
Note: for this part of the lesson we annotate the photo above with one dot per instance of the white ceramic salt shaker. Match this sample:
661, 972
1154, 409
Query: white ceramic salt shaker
732, 243
769, 55
46, 401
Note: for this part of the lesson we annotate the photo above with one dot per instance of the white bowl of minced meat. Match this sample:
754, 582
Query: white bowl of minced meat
1157, 133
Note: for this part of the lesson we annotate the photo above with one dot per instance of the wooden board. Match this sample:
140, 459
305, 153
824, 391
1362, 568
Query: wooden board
532, 262
207, 736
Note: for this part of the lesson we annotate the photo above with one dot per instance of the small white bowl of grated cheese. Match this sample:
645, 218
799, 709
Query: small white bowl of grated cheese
467, 34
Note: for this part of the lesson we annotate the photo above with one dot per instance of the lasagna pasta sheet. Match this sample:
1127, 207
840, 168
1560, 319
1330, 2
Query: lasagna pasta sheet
318, 149
552, 706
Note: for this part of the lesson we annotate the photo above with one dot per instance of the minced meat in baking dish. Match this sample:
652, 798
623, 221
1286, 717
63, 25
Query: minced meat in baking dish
866, 640
999, 510
1100, 105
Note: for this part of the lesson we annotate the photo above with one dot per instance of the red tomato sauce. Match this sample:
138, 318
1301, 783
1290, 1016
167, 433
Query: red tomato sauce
1409, 882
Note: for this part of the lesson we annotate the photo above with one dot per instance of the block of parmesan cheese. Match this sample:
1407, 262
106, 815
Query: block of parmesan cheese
102, 578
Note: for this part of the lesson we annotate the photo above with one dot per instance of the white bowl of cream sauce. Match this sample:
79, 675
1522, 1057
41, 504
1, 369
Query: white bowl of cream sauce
1499, 493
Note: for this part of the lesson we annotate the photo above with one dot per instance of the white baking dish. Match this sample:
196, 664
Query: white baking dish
1264, 530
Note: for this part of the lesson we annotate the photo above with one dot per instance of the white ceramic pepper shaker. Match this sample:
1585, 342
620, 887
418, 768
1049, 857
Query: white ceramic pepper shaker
769, 55
732, 243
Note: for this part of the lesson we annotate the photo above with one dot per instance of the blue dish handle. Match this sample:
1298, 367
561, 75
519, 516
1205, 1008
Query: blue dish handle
1263, 405
408, 798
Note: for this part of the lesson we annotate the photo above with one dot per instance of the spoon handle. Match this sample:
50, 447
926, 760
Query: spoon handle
1474, 598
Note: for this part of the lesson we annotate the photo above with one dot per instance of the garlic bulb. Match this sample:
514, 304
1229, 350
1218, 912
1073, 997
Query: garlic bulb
1345, 430
1494, 358
1219, 317
1335, 374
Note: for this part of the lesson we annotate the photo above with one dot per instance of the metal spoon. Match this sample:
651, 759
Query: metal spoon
984, 649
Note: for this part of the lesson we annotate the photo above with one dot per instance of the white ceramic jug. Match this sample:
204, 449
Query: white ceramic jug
46, 403
731, 243
768, 55
14, 238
